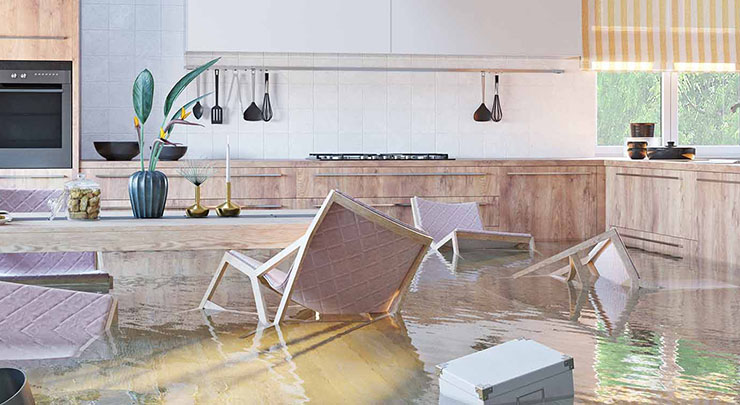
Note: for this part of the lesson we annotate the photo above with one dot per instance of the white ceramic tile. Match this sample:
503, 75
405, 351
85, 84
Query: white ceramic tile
119, 94
121, 68
447, 143
326, 121
350, 142
121, 17
350, 121
422, 121
173, 44
399, 121
94, 69
398, 142
173, 18
122, 43
350, 96
326, 96
301, 145
148, 17
374, 97
326, 142
94, 120
277, 145
374, 121
94, 16
94, 42
373, 142
399, 96
422, 96
301, 122
301, 96
423, 143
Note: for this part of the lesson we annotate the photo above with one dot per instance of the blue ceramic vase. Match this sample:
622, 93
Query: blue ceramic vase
148, 193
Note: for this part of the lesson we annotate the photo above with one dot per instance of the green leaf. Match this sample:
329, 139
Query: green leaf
143, 93
182, 83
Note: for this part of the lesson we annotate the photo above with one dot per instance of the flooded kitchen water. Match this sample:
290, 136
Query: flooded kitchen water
676, 340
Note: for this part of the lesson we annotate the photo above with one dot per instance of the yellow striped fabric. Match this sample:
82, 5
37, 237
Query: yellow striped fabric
685, 35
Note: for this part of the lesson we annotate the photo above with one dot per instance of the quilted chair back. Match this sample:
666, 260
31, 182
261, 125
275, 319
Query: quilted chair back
357, 259
439, 219
39, 264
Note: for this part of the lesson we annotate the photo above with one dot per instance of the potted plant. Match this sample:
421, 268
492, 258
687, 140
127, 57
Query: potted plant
147, 187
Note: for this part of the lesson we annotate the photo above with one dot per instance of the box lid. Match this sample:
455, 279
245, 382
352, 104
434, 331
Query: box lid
505, 367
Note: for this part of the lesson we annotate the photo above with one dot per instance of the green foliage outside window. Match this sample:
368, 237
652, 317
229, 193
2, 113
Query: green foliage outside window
623, 98
704, 117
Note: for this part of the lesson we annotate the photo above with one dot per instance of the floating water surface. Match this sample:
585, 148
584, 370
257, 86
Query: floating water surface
678, 340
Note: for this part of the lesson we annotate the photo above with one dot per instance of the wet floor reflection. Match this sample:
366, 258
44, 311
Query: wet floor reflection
678, 340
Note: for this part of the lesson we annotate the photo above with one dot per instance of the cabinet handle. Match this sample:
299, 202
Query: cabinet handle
54, 37
33, 176
401, 205
125, 176
719, 181
548, 174
258, 175
648, 176
263, 206
395, 174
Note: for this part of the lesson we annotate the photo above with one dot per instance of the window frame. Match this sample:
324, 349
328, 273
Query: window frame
669, 125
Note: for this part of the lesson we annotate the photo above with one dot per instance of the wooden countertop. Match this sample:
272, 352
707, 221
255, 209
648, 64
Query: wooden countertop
119, 232
697, 165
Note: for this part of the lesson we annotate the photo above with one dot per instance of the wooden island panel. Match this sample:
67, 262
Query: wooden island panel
718, 222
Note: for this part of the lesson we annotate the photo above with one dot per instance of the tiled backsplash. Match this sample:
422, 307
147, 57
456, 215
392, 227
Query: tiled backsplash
545, 115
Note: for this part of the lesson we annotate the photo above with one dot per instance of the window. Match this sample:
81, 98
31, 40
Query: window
690, 109
704, 116
624, 98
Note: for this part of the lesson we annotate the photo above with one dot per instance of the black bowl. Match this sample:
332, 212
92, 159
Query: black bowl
170, 152
126, 150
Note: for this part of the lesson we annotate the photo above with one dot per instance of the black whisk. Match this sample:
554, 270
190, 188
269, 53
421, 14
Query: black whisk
496, 113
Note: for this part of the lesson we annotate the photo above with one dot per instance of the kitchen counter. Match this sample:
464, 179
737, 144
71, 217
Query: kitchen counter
119, 232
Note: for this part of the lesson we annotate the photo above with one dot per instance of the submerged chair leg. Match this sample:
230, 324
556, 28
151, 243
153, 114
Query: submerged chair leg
259, 302
215, 281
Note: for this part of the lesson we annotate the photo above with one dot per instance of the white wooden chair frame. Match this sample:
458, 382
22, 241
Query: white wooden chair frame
581, 269
519, 241
255, 269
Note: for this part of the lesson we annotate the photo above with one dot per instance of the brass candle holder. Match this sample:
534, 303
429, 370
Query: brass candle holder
197, 210
228, 208
196, 172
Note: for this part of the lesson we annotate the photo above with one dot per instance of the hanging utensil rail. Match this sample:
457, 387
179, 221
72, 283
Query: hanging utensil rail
381, 69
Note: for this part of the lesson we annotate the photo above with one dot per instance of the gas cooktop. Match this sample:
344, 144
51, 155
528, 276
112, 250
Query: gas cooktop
379, 156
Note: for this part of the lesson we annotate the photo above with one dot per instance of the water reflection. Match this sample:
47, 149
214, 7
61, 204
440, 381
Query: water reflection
673, 343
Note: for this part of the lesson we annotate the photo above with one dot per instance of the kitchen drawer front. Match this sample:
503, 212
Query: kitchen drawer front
553, 203
21, 179
400, 208
650, 200
182, 203
272, 183
398, 182
655, 243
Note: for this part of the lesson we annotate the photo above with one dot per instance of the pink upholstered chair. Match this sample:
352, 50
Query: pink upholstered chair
460, 225
43, 323
353, 260
50, 269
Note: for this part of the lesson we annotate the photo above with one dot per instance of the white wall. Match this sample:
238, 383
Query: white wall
545, 115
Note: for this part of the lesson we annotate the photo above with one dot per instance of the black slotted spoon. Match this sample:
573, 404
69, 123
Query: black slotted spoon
253, 113
217, 113
482, 114
496, 113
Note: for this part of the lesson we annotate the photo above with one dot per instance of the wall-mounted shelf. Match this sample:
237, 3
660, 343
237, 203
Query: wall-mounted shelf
379, 69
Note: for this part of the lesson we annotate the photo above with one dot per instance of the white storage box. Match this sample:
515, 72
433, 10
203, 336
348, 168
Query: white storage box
516, 372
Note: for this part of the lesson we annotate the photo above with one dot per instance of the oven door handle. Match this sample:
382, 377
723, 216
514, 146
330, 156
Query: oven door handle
31, 90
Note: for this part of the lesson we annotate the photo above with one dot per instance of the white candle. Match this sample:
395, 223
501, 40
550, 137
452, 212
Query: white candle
228, 159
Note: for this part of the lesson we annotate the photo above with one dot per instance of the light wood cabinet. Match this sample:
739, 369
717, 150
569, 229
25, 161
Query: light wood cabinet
430, 181
718, 222
400, 208
656, 201
551, 203
39, 29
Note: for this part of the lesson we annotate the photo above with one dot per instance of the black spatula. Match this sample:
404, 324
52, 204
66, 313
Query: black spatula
217, 113
482, 114
253, 113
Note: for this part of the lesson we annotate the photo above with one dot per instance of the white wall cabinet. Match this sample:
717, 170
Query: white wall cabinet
487, 27
442, 27
311, 26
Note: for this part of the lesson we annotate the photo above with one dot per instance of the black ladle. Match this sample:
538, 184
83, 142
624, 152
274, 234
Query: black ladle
198, 107
482, 114
253, 113
266, 106
496, 113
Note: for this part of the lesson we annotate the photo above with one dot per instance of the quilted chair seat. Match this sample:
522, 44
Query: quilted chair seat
352, 265
42, 323
439, 219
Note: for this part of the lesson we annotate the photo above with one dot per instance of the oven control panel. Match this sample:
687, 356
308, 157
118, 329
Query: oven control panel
35, 76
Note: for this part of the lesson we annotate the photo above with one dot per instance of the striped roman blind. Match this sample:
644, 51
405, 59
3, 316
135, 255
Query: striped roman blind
691, 35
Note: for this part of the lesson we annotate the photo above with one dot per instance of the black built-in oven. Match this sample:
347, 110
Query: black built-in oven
35, 114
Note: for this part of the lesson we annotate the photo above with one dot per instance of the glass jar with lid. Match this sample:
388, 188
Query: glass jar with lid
83, 198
